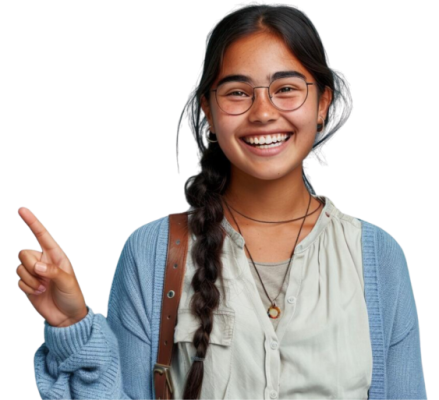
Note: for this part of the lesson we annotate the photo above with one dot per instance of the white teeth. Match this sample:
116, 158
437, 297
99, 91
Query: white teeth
267, 139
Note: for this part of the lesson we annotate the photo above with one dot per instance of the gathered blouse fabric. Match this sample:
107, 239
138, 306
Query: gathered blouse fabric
319, 346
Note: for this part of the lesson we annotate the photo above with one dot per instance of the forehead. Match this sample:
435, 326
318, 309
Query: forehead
259, 56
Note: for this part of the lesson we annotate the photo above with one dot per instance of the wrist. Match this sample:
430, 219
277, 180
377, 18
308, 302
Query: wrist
72, 321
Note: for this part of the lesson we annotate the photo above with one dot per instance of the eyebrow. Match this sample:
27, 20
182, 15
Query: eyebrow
247, 79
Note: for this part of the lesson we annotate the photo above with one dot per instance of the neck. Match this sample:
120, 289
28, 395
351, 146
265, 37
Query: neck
269, 200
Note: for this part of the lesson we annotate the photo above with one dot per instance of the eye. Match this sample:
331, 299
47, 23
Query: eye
286, 91
237, 91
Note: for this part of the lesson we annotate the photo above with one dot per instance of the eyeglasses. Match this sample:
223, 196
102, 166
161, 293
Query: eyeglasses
286, 94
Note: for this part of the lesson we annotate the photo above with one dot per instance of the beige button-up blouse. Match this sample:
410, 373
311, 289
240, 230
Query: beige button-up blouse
319, 347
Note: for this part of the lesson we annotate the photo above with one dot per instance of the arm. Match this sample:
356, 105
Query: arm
98, 357
405, 378
404, 368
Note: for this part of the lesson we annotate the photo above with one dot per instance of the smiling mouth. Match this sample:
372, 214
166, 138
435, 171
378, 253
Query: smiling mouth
268, 144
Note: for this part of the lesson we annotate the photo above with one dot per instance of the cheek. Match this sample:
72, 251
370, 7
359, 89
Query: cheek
226, 126
303, 119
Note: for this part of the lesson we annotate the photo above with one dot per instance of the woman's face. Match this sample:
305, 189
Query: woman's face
258, 57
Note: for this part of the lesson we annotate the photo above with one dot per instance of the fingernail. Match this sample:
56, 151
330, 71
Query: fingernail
41, 267
41, 289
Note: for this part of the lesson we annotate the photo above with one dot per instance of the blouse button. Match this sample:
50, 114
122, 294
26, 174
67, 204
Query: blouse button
291, 299
273, 394
273, 345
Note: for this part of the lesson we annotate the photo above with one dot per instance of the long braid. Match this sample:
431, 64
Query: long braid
203, 193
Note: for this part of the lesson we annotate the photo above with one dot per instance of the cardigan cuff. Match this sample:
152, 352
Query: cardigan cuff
65, 341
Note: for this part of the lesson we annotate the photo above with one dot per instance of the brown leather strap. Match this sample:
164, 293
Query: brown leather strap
173, 284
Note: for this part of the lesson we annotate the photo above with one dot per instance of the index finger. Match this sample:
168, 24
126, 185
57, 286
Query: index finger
44, 238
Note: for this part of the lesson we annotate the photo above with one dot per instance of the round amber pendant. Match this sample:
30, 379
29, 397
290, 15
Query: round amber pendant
273, 312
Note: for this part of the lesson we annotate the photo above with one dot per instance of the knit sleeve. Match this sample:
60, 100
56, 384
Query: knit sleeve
404, 368
405, 378
98, 357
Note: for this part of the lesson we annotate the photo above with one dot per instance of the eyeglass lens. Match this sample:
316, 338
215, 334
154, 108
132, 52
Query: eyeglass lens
286, 93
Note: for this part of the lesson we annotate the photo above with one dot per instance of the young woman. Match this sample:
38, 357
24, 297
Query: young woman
284, 295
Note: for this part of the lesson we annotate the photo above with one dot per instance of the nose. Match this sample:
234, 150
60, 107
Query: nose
262, 109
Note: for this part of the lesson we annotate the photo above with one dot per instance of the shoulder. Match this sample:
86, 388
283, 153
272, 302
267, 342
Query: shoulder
143, 247
384, 258
385, 254
141, 262
149, 239
149, 232
388, 252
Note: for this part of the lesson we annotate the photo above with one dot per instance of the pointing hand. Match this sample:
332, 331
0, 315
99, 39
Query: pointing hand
62, 302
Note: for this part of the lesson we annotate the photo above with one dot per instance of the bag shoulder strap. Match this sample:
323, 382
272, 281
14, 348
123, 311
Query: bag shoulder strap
173, 284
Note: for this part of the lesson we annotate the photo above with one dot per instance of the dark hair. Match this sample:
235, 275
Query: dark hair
203, 191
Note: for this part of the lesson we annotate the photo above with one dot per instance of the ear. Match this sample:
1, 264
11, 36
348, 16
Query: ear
207, 111
325, 102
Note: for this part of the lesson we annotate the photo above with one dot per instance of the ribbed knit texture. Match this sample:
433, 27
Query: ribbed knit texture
113, 357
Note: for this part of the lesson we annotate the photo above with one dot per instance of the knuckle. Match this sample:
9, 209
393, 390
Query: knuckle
24, 254
42, 229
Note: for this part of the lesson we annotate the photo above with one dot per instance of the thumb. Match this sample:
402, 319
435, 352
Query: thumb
40, 268
61, 278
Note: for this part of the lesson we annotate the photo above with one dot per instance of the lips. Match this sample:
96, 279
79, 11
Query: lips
267, 151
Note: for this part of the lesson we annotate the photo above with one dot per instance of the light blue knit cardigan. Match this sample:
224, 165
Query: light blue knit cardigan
112, 358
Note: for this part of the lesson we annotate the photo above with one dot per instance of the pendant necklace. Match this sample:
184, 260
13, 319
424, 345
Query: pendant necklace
274, 311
